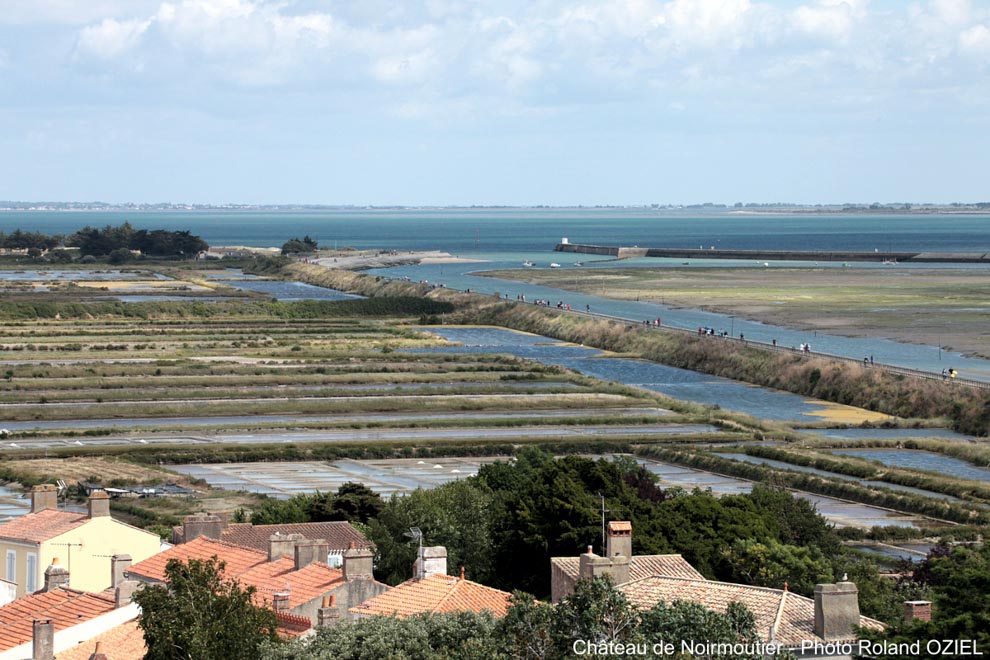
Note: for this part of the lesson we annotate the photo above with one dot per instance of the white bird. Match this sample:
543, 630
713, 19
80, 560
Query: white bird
142, 441
78, 442
14, 446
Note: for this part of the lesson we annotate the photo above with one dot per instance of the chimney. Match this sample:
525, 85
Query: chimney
123, 594
430, 561
56, 576
98, 653
44, 496
917, 610
836, 610
592, 566
358, 563
280, 602
118, 565
307, 552
283, 545
619, 539
202, 524
43, 634
328, 615
99, 504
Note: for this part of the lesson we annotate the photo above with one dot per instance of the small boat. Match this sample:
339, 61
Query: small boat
890, 262
555, 265
578, 263
528, 264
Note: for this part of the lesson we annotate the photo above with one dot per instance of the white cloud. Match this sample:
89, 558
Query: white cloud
111, 37
831, 20
975, 40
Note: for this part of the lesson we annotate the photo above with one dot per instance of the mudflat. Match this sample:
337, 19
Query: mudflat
943, 306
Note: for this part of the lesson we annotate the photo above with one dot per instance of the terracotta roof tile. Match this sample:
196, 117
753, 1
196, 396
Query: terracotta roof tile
238, 560
290, 625
281, 576
796, 613
436, 593
65, 607
123, 642
41, 526
620, 526
640, 567
338, 534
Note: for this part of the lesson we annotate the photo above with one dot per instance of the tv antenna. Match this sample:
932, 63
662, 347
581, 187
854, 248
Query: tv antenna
603, 512
416, 534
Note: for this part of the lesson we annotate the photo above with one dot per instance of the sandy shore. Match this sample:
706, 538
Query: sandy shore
367, 259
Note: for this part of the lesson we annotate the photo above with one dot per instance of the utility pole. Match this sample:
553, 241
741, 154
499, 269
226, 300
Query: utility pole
603, 511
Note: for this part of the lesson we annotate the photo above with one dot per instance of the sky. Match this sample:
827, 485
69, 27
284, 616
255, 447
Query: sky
442, 102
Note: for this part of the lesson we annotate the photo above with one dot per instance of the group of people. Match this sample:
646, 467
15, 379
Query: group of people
948, 373
702, 331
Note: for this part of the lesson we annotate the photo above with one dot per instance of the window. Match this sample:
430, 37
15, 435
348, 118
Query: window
12, 566
32, 573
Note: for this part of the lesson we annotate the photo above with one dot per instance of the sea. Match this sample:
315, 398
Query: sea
534, 231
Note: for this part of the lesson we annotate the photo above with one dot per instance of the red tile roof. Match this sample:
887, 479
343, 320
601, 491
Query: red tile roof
238, 560
782, 617
641, 566
281, 576
123, 642
65, 607
290, 625
436, 593
337, 534
41, 526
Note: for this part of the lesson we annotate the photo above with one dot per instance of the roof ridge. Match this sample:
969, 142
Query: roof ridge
714, 582
775, 626
450, 592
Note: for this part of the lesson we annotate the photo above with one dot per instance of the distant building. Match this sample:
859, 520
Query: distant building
292, 577
339, 535
432, 590
84, 541
782, 617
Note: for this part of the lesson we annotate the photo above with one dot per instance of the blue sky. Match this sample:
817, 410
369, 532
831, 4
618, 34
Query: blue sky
516, 102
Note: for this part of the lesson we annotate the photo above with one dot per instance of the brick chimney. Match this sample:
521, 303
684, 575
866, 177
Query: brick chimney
283, 545
619, 540
280, 602
306, 552
201, 524
430, 561
358, 563
836, 610
56, 576
917, 610
99, 504
592, 566
328, 615
44, 496
118, 565
43, 639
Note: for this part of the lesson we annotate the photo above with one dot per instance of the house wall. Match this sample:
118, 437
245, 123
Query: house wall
349, 594
101, 537
21, 551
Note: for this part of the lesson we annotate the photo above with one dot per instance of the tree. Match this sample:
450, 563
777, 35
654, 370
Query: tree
278, 512
120, 256
201, 614
300, 246
353, 502
773, 564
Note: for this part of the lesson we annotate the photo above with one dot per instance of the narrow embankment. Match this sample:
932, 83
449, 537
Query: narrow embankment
822, 378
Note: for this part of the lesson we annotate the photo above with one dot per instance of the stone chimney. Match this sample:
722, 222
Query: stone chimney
280, 602
836, 610
619, 543
98, 653
118, 565
328, 615
123, 594
358, 563
44, 496
306, 552
99, 504
283, 545
917, 610
430, 561
202, 524
56, 576
43, 640
592, 566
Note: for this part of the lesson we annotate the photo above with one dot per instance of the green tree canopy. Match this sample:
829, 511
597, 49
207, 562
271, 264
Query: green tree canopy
200, 614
